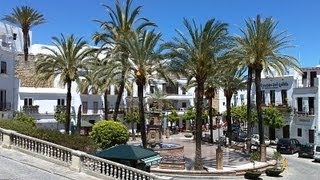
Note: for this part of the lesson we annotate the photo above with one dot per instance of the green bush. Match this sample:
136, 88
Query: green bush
108, 133
77, 142
22, 117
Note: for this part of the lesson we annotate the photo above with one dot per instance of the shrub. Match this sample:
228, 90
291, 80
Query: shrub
22, 117
77, 142
108, 133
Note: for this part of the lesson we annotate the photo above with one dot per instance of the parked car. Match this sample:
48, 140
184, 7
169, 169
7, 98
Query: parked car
239, 135
316, 155
306, 150
288, 145
255, 140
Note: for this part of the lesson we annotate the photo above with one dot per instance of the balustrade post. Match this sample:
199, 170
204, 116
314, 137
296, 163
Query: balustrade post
76, 158
7, 138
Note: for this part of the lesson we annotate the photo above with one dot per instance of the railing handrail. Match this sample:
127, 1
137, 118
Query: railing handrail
81, 155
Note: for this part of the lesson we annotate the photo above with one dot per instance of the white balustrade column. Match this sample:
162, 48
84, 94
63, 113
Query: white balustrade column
6, 143
76, 160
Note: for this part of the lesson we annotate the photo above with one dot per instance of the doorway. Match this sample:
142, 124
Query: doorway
311, 136
286, 131
272, 133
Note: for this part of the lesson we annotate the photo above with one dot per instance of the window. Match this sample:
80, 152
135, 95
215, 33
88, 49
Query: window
3, 69
27, 102
242, 98
184, 105
272, 96
284, 96
3, 100
84, 107
299, 132
95, 107
299, 102
60, 102
171, 88
152, 89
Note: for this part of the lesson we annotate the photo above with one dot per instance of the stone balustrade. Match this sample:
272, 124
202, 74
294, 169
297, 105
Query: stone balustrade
75, 160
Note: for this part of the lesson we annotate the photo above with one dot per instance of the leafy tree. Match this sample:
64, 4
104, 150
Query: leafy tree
239, 113
173, 117
194, 57
273, 117
132, 116
64, 61
261, 48
28, 119
108, 133
189, 115
25, 17
123, 21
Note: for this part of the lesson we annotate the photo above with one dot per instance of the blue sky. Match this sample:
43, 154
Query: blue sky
299, 18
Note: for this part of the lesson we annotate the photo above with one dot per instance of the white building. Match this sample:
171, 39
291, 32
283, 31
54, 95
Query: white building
10, 45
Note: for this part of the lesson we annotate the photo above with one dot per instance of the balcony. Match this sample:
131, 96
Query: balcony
305, 83
5, 106
31, 109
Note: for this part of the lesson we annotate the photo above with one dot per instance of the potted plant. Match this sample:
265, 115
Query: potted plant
254, 173
277, 169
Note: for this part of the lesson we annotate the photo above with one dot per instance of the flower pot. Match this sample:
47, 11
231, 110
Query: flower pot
274, 172
188, 135
252, 174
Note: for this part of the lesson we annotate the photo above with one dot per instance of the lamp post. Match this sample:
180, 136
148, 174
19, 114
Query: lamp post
219, 151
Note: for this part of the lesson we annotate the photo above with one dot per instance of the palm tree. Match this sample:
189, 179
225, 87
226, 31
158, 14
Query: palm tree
194, 57
262, 46
144, 61
122, 22
231, 81
64, 61
25, 17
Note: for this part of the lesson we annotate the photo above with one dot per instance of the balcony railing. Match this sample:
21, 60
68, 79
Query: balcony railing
5, 106
305, 83
31, 109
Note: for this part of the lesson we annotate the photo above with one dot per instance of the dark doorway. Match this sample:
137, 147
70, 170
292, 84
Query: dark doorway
311, 136
286, 131
299, 104
272, 133
311, 105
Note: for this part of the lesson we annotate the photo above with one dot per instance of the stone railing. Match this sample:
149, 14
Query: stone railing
75, 160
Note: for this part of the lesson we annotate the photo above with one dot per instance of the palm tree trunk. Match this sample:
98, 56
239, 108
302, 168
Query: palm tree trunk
25, 43
68, 110
105, 98
259, 112
229, 128
210, 119
79, 119
119, 97
141, 116
249, 118
198, 134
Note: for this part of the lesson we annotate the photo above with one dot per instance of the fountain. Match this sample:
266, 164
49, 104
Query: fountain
172, 154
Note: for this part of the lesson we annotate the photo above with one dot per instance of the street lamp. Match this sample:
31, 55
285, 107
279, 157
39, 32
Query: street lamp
219, 151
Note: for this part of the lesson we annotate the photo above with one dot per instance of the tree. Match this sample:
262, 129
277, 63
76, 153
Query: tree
132, 116
25, 17
273, 117
144, 62
261, 48
63, 61
194, 57
122, 23
210, 94
173, 117
109, 133
231, 81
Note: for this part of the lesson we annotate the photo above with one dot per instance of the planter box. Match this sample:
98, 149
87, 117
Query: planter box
274, 172
252, 174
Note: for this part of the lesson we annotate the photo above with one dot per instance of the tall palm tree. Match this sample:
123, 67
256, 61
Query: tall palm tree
262, 46
231, 81
144, 62
25, 17
64, 61
122, 22
194, 56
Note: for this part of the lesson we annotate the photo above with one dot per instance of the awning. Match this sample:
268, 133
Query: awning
152, 160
